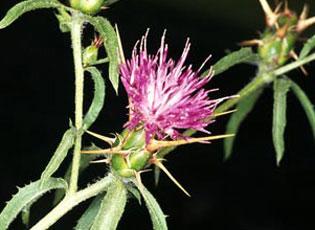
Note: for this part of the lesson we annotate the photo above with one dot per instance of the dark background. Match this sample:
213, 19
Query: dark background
248, 192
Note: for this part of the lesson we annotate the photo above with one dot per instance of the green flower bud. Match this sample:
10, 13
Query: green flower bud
90, 55
87, 6
278, 41
138, 158
120, 166
133, 139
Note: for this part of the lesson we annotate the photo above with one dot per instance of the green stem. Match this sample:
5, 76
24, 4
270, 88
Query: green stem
71, 201
255, 84
100, 61
294, 65
76, 29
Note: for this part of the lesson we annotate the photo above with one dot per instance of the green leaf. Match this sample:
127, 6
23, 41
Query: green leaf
108, 34
64, 19
281, 88
98, 100
243, 108
234, 58
86, 220
112, 207
307, 48
85, 160
27, 195
134, 191
306, 104
156, 213
59, 155
19, 9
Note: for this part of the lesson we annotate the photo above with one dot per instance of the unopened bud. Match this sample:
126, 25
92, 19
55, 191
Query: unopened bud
90, 53
87, 6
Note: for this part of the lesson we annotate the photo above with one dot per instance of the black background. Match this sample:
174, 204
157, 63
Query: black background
246, 192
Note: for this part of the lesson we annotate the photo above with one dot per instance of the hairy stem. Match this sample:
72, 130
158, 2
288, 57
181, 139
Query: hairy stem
76, 29
287, 68
71, 201
255, 84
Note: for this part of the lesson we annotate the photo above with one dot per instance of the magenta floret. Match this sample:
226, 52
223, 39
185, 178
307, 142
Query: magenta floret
165, 96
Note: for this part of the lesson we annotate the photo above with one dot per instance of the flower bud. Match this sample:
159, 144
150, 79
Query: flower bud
120, 166
283, 27
133, 139
137, 159
87, 6
90, 53
278, 41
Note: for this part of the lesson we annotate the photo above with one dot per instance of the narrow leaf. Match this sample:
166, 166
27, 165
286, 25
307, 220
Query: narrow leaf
234, 58
27, 195
108, 34
156, 213
134, 192
281, 87
112, 207
307, 48
59, 155
243, 108
19, 9
64, 19
306, 104
86, 220
98, 100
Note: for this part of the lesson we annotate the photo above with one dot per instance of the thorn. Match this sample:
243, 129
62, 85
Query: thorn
295, 57
271, 17
138, 178
278, 7
252, 42
162, 167
108, 140
303, 24
120, 47
304, 12
266, 8
155, 145
106, 151
224, 113
106, 161
286, 7
122, 60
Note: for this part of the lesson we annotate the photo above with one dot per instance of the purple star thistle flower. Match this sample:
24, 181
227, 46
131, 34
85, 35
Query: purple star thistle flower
165, 96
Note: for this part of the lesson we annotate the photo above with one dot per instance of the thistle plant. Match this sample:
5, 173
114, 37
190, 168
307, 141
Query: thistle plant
167, 103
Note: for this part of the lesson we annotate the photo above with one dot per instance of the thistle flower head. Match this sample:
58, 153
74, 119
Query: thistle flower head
165, 97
